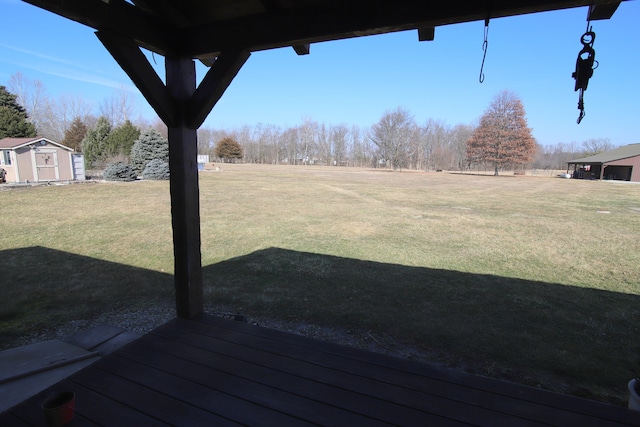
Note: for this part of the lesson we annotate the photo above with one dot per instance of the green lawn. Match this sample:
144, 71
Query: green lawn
532, 279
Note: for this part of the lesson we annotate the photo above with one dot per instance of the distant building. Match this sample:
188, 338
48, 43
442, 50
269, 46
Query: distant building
622, 164
39, 160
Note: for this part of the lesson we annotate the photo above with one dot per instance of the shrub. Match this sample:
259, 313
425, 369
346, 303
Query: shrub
156, 169
119, 172
149, 146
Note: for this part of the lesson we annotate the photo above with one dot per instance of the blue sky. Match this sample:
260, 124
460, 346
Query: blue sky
355, 81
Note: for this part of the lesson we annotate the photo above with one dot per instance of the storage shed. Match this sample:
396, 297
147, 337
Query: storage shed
622, 164
36, 160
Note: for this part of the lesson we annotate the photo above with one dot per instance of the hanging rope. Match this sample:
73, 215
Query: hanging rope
485, 46
585, 64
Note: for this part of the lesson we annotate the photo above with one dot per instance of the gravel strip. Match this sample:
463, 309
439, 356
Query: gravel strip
145, 320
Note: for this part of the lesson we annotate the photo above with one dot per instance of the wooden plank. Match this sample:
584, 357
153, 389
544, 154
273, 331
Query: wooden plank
278, 401
534, 403
436, 398
22, 361
321, 388
29, 411
103, 410
91, 338
215, 371
185, 195
116, 342
148, 401
14, 392
181, 383
10, 420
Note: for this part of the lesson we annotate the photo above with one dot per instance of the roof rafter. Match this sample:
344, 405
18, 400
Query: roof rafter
336, 19
116, 16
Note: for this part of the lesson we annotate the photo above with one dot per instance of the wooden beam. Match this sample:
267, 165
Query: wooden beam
185, 203
602, 11
166, 9
118, 16
135, 64
426, 34
302, 49
337, 19
213, 85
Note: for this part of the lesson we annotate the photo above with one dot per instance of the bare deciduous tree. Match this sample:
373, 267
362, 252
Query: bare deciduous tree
596, 146
52, 117
393, 135
339, 144
119, 107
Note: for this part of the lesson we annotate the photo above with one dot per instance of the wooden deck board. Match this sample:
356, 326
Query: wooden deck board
326, 389
323, 369
222, 372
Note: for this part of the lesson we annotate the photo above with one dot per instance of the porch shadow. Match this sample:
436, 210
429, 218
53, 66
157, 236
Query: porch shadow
43, 288
570, 339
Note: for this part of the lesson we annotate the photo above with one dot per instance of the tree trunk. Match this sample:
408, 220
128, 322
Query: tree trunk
495, 172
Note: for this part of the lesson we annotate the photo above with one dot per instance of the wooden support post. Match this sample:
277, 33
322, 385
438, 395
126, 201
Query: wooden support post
183, 107
185, 203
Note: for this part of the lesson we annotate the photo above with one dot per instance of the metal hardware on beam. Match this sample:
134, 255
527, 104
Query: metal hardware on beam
426, 34
208, 60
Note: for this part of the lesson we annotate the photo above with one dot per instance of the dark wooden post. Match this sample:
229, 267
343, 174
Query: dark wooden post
185, 203
183, 106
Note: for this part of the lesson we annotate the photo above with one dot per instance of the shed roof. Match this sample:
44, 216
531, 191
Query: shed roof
15, 143
625, 152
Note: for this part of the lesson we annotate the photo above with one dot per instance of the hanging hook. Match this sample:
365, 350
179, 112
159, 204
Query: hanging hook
485, 46
585, 64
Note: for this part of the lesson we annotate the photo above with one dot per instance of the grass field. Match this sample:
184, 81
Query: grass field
532, 279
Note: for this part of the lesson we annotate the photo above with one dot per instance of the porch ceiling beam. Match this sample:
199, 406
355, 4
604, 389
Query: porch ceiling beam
302, 49
602, 11
426, 34
339, 19
118, 16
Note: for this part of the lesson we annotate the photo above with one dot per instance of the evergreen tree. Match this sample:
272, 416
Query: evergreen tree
75, 134
227, 149
94, 143
13, 117
121, 139
156, 169
502, 138
149, 146
119, 171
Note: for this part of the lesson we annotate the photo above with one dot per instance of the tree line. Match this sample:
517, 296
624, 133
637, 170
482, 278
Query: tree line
500, 140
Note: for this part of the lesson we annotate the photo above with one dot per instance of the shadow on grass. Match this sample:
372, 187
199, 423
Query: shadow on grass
584, 339
44, 288
574, 340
